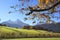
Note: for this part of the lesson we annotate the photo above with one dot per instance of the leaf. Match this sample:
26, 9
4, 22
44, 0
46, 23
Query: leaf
34, 15
31, 18
28, 13
34, 8
25, 19
12, 7
40, 22
48, 21
9, 12
22, 8
34, 21
47, 2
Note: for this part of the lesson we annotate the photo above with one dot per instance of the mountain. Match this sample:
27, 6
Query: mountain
49, 27
16, 23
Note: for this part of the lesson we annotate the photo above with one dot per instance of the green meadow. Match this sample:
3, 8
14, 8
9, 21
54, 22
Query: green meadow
8, 33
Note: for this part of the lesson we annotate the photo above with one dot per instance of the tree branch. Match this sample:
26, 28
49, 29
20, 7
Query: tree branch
31, 9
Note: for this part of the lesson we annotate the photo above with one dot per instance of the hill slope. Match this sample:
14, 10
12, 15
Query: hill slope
7, 32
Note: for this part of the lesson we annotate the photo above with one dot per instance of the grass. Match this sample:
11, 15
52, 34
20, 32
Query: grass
35, 39
8, 32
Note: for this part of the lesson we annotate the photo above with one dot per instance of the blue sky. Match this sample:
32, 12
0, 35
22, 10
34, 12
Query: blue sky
5, 8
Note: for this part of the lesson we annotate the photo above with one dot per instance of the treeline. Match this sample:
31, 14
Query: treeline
3, 25
36, 28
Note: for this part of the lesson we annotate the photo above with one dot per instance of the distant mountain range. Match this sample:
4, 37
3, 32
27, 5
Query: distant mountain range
53, 27
20, 24
16, 23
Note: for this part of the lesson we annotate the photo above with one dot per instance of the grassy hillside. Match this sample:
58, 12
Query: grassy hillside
7, 32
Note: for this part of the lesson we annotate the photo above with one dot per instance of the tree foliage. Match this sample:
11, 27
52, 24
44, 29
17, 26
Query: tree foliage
44, 10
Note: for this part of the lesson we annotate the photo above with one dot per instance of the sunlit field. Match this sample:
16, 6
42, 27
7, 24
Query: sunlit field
8, 32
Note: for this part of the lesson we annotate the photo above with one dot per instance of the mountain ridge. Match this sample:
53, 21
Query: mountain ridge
16, 23
52, 26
